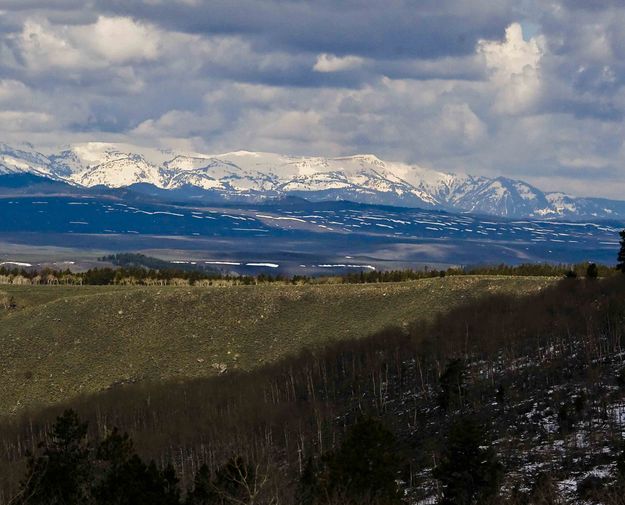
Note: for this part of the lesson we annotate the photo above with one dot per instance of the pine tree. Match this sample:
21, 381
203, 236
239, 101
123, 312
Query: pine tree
452, 383
469, 474
135, 483
202, 492
62, 472
592, 272
126, 480
364, 469
621, 254
171, 491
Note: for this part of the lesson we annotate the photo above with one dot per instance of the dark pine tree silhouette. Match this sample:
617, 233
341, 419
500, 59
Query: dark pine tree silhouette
592, 272
61, 473
363, 470
469, 473
452, 384
126, 480
70, 471
202, 492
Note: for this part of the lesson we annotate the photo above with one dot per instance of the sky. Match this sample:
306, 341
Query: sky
528, 89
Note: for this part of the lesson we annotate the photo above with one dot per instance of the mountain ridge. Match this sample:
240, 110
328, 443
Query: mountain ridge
256, 176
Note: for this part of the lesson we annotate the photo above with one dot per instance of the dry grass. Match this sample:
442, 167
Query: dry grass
64, 341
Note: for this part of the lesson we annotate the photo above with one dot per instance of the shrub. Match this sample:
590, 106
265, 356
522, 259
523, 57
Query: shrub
7, 302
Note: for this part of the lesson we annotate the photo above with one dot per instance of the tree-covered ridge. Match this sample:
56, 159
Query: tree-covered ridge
519, 397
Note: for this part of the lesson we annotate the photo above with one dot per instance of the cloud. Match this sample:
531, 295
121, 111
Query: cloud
530, 89
458, 120
514, 68
20, 121
365, 28
331, 63
179, 124
119, 39
108, 41
12, 91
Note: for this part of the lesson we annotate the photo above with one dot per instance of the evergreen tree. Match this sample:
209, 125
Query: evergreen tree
69, 471
202, 492
592, 272
469, 474
126, 480
452, 383
61, 474
135, 483
621, 254
365, 467
171, 490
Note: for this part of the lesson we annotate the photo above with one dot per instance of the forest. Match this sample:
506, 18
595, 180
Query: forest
507, 400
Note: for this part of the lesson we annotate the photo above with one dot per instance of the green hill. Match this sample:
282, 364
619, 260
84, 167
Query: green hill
64, 341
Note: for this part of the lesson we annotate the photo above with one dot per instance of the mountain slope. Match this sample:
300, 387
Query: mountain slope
253, 176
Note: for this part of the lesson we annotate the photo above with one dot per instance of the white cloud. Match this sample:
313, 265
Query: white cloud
23, 121
43, 47
180, 123
514, 68
331, 63
108, 41
119, 39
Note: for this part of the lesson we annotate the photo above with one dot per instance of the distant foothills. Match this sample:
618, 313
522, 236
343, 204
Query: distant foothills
245, 176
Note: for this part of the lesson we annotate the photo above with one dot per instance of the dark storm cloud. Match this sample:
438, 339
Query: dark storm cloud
388, 29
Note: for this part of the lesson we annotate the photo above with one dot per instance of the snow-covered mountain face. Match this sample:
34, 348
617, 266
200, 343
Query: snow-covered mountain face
244, 175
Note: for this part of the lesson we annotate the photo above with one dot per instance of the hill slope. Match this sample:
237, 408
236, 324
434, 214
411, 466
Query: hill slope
527, 389
64, 341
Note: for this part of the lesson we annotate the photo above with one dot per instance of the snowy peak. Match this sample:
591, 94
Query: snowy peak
505, 197
246, 175
23, 160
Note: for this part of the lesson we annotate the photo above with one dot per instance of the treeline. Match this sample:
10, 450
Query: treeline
496, 402
523, 270
137, 276
140, 275
135, 260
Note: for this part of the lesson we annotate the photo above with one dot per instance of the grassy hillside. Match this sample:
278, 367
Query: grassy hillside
64, 341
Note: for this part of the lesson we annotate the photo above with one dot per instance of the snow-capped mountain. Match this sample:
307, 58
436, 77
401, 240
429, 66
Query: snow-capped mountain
244, 175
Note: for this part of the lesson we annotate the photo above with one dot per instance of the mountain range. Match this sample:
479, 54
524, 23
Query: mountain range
255, 176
